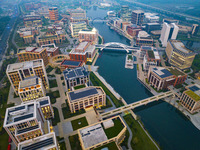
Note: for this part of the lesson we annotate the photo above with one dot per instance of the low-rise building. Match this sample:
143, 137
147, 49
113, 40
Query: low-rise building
144, 49
50, 37
152, 27
71, 64
75, 27
31, 88
19, 71
46, 142
32, 53
178, 55
160, 78
88, 35
83, 52
151, 58
25, 121
97, 135
150, 17
86, 98
75, 77
32, 21
133, 30
144, 39
52, 49
190, 98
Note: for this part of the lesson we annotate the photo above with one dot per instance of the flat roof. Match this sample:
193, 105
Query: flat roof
75, 73
82, 45
81, 93
46, 141
194, 95
24, 65
93, 135
19, 113
27, 82
151, 54
175, 71
180, 46
71, 63
162, 72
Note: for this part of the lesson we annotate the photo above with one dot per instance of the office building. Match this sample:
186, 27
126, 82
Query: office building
87, 97
32, 53
53, 13
76, 27
51, 37
78, 15
160, 78
169, 21
133, 30
44, 142
97, 136
190, 99
88, 35
169, 31
137, 17
195, 29
144, 39
31, 88
25, 121
116, 22
71, 64
125, 13
152, 27
151, 58
19, 71
32, 21
52, 49
75, 77
178, 55
83, 52
152, 18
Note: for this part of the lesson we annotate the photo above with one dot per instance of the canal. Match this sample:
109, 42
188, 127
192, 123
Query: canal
165, 123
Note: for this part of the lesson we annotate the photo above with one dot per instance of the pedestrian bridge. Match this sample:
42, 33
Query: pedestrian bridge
136, 104
117, 46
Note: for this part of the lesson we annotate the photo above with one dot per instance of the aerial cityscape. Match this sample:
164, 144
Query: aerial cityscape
99, 75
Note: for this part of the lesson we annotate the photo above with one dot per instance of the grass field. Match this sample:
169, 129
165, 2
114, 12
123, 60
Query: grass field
79, 123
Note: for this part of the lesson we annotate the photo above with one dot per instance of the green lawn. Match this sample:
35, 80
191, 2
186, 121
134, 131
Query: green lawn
49, 69
108, 104
96, 82
140, 140
125, 141
74, 142
110, 146
51, 75
58, 71
67, 113
79, 87
53, 96
4, 141
62, 146
53, 83
56, 118
79, 123
115, 130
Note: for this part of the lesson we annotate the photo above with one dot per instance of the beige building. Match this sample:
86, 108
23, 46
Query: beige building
86, 98
26, 121
88, 35
19, 71
178, 55
190, 98
98, 135
31, 88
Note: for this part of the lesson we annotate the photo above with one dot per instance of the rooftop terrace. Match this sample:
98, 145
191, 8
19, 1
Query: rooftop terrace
28, 82
193, 95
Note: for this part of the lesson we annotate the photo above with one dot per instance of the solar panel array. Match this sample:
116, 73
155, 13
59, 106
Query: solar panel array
39, 144
44, 102
71, 63
194, 88
23, 117
83, 93
17, 108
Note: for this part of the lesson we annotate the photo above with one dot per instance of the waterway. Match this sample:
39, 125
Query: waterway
165, 123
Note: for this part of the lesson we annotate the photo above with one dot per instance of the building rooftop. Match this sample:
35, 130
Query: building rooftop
20, 113
70, 74
28, 82
82, 93
138, 11
71, 63
194, 95
180, 46
143, 34
93, 135
162, 72
24, 65
176, 72
46, 141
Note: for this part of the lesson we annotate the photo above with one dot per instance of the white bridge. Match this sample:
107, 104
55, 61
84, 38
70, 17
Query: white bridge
117, 46
136, 104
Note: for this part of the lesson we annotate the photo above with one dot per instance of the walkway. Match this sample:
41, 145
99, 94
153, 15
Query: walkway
136, 104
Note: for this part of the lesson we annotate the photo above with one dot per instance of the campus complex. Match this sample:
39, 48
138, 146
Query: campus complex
59, 98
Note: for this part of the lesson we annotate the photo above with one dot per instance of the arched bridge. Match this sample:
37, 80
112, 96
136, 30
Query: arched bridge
97, 19
117, 46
